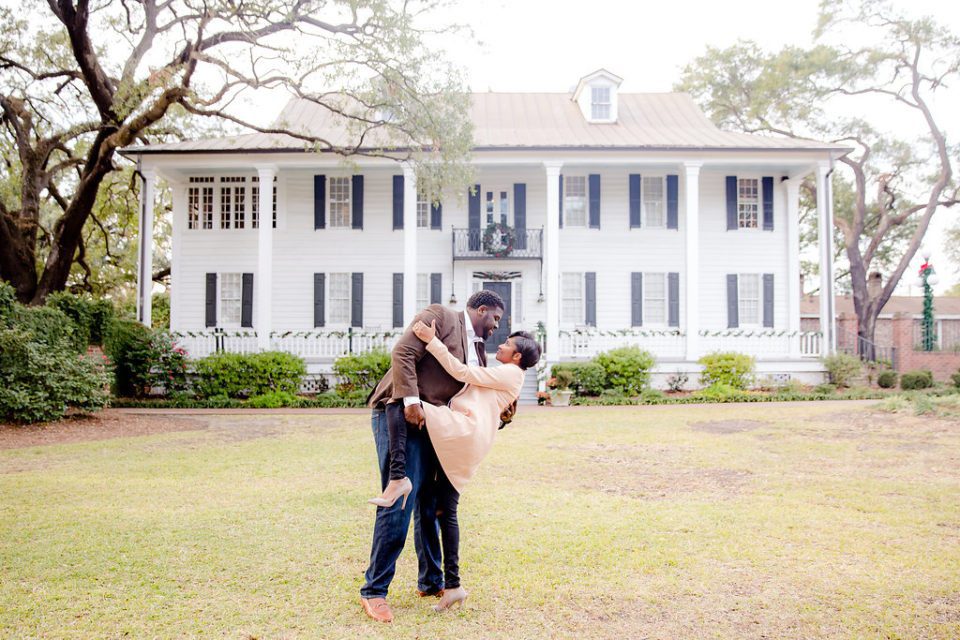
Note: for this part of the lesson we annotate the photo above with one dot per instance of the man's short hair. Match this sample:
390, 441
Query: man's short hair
527, 347
486, 298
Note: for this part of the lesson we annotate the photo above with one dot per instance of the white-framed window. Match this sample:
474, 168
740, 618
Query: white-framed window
338, 299
748, 203
575, 201
496, 206
339, 190
423, 290
230, 299
200, 203
654, 209
600, 103
233, 201
423, 212
572, 309
748, 299
654, 298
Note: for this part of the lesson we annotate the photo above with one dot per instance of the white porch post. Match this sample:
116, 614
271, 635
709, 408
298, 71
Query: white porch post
409, 244
792, 193
145, 256
692, 221
552, 262
263, 282
825, 240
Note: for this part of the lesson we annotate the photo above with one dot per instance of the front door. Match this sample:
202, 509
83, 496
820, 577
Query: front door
500, 335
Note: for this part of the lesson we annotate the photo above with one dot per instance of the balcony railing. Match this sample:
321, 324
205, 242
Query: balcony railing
499, 243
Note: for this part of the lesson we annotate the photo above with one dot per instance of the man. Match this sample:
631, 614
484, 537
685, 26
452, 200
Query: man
413, 377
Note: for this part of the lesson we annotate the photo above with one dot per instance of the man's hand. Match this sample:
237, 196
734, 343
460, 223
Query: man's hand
506, 416
413, 414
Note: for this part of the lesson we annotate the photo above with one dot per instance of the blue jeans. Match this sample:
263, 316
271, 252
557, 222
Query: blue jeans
391, 525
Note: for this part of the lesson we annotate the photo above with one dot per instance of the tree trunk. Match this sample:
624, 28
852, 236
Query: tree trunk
17, 260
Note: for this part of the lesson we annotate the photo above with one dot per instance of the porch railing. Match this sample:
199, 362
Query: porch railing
477, 244
764, 343
306, 344
199, 344
587, 343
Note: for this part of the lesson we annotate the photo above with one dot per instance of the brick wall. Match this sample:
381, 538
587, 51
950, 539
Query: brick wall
942, 363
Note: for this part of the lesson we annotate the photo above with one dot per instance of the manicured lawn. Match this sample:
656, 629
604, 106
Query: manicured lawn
822, 520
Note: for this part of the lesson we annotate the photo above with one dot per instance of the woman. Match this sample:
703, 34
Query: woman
462, 434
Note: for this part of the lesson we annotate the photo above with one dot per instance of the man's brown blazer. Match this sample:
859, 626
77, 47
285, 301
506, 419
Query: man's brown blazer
412, 374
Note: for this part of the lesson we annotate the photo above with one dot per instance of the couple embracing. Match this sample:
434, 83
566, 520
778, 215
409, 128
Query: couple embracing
435, 413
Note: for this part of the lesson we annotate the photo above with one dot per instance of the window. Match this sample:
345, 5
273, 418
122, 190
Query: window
571, 298
200, 203
653, 209
748, 297
423, 212
255, 203
231, 290
423, 290
654, 298
339, 298
233, 191
748, 202
600, 103
339, 202
575, 201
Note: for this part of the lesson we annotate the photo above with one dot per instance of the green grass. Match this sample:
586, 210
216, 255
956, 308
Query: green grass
717, 521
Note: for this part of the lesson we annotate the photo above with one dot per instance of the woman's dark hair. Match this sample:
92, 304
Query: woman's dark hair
486, 298
527, 347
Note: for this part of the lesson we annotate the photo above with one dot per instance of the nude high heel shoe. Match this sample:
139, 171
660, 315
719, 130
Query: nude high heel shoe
395, 489
451, 597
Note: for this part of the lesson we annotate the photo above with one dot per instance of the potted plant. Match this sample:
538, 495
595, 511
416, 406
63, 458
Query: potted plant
559, 386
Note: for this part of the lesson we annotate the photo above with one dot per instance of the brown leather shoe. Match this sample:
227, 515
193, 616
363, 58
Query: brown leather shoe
377, 608
428, 594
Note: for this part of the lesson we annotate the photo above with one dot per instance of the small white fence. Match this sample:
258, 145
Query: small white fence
315, 345
667, 344
199, 344
587, 343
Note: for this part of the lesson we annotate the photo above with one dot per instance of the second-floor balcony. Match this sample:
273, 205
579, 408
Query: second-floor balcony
498, 242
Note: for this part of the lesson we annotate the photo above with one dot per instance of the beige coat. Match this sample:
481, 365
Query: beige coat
462, 434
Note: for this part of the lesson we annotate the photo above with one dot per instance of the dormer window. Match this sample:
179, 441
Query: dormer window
600, 103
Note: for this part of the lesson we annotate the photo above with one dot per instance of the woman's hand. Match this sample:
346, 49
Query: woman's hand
425, 332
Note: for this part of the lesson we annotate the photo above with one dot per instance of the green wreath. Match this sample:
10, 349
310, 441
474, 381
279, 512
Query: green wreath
498, 240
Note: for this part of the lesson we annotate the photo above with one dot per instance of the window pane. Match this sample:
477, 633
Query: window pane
571, 307
339, 202
652, 192
254, 207
231, 288
423, 290
575, 201
748, 190
423, 210
654, 298
339, 298
749, 298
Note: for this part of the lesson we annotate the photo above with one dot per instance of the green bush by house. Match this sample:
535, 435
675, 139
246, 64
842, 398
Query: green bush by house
916, 380
727, 368
360, 372
589, 378
246, 375
842, 369
91, 316
627, 369
887, 379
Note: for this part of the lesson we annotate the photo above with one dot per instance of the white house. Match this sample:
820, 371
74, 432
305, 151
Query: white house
602, 218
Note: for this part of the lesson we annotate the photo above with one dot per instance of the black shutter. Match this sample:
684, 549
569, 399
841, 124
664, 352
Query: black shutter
356, 301
731, 203
397, 202
635, 201
636, 299
357, 202
211, 319
520, 215
733, 302
435, 283
766, 184
590, 286
473, 218
319, 202
246, 301
436, 215
673, 299
561, 201
672, 202
398, 298
594, 180
768, 299
319, 294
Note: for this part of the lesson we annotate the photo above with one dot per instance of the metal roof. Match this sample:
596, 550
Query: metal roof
524, 121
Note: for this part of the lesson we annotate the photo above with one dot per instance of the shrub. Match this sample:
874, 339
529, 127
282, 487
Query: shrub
169, 363
245, 375
40, 380
842, 368
916, 380
274, 400
131, 348
677, 381
887, 379
360, 371
8, 298
825, 389
160, 311
627, 369
588, 378
718, 392
956, 379
92, 317
727, 368
49, 326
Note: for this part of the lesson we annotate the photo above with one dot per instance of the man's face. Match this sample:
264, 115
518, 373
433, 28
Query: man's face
488, 319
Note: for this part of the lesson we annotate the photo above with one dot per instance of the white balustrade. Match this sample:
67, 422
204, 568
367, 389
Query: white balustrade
306, 344
587, 343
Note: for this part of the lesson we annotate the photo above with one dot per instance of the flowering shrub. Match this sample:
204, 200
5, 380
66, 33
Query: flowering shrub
169, 368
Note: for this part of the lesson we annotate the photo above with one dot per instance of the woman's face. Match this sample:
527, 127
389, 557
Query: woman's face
507, 351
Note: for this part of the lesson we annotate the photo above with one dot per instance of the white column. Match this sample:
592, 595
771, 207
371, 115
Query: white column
552, 262
409, 244
178, 197
145, 257
692, 277
792, 196
825, 240
263, 279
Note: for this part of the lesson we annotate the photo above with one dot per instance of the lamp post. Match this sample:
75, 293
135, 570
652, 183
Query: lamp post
927, 278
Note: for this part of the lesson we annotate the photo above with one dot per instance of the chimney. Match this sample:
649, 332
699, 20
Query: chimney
874, 284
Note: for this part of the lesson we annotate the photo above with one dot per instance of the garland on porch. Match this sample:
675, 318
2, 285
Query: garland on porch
317, 335
498, 240
640, 333
753, 333
213, 333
